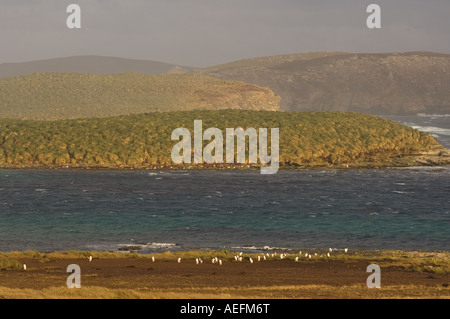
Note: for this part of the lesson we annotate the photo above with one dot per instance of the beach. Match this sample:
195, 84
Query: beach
176, 275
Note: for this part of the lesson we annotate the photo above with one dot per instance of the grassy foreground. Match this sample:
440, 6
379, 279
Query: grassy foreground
405, 274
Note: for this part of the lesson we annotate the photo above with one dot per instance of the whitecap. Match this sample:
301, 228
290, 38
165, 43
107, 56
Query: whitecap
432, 115
432, 129
159, 245
253, 247
245, 247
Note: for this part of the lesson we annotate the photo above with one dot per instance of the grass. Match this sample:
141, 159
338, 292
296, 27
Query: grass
307, 139
9, 263
403, 262
417, 261
258, 292
54, 96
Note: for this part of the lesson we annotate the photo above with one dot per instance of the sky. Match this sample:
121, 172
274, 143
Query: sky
202, 33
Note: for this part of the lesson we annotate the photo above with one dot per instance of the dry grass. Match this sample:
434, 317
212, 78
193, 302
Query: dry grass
9, 263
433, 262
423, 275
259, 292
56, 96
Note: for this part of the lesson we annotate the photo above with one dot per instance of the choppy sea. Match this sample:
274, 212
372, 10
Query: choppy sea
154, 211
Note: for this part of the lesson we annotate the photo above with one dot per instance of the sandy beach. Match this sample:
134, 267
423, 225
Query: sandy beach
114, 275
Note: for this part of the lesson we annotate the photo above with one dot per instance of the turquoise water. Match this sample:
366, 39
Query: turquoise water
172, 210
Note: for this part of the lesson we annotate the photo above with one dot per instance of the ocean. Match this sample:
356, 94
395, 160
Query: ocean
437, 125
154, 211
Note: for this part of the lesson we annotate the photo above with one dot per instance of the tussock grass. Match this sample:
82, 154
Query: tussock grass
9, 263
70, 254
308, 139
163, 256
433, 262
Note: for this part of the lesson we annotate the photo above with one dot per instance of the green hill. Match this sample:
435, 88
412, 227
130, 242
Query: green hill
144, 140
54, 96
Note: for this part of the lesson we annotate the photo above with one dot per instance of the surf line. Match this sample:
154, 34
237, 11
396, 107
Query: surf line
213, 152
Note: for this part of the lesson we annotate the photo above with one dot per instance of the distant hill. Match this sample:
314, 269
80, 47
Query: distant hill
307, 139
87, 64
381, 84
54, 96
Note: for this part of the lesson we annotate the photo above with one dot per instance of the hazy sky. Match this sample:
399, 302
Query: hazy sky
208, 32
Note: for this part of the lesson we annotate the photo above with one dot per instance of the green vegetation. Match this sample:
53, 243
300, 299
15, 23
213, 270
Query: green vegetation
437, 262
144, 140
55, 96
6, 262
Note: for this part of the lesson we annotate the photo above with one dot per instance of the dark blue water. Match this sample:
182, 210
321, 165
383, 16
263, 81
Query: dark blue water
171, 210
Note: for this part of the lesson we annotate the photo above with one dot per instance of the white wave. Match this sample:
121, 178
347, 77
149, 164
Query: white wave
432, 115
245, 247
159, 245
432, 129
252, 247
401, 192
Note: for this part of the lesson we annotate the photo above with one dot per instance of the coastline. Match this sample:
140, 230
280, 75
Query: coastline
404, 274
438, 156
119, 275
